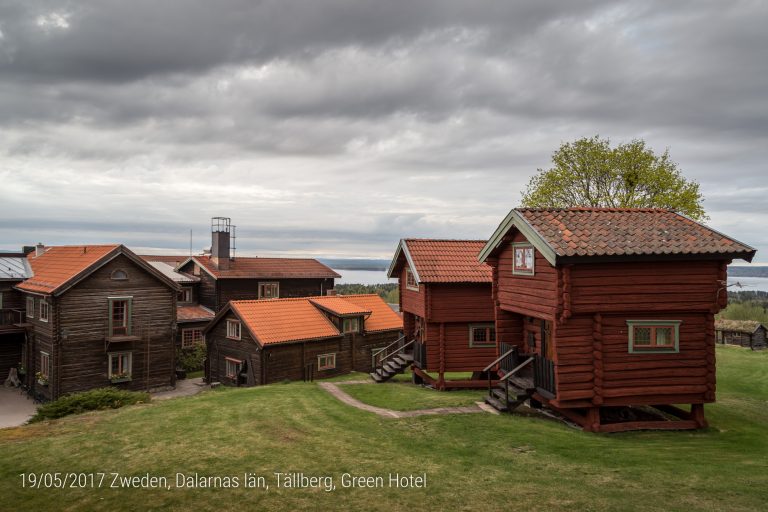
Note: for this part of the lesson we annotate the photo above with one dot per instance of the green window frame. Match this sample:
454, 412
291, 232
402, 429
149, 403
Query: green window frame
482, 335
653, 336
120, 311
326, 361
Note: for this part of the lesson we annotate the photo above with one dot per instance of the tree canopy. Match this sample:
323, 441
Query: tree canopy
588, 172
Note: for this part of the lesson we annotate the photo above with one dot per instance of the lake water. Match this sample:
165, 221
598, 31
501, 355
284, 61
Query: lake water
749, 284
363, 277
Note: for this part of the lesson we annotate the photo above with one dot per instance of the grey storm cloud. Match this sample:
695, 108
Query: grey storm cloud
336, 127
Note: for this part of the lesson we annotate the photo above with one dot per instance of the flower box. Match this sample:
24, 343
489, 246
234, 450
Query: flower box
115, 379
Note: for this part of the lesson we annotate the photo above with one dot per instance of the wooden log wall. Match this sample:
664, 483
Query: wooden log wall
454, 353
412, 301
460, 302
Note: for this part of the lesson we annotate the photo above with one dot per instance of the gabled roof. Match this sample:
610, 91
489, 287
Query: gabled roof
273, 321
61, 267
576, 234
339, 306
196, 313
442, 261
169, 272
745, 326
261, 268
173, 261
14, 268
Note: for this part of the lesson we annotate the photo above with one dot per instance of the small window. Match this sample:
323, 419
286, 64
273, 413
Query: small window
233, 367
119, 275
185, 295
523, 259
120, 316
191, 337
196, 269
30, 307
45, 365
44, 311
351, 325
269, 290
482, 335
233, 329
120, 365
654, 336
326, 362
410, 280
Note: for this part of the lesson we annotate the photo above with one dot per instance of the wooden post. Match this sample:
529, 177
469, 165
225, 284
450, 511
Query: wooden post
710, 358
441, 381
597, 361
697, 415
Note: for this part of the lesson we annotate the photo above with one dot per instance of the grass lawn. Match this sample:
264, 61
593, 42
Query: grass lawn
473, 462
402, 396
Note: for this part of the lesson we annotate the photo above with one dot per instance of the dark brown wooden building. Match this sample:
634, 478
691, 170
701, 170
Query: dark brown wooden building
264, 341
13, 270
610, 311
97, 315
447, 307
746, 333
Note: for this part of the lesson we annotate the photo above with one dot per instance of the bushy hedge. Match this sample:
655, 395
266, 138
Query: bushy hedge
93, 400
191, 359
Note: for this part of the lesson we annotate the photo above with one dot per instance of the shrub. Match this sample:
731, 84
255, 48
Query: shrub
93, 400
191, 359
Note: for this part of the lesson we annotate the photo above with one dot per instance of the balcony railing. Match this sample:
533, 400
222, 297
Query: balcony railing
11, 316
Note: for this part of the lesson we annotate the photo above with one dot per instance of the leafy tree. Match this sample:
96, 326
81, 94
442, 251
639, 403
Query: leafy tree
588, 172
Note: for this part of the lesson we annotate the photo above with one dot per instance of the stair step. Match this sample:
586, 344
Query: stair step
406, 357
376, 377
393, 368
514, 393
496, 404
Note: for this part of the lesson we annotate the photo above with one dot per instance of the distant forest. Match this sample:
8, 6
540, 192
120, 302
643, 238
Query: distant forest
747, 271
387, 291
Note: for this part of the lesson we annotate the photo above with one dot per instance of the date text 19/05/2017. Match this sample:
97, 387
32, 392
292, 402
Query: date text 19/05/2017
248, 480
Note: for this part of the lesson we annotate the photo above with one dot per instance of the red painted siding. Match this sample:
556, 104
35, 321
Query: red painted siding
412, 301
460, 302
534, 295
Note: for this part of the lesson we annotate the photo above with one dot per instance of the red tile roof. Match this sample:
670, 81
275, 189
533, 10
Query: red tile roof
626, 232
247, 267
193, 313
59, 265
448, 261
339, 306
287, 320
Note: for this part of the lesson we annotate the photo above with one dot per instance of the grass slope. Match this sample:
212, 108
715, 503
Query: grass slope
473, 462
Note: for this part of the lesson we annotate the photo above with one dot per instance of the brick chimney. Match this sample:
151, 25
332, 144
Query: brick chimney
220, 229
39, 249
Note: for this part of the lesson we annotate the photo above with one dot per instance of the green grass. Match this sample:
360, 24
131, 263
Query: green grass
473, 462
194, 375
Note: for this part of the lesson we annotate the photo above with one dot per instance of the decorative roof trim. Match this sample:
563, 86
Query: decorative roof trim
514, 219
403, 248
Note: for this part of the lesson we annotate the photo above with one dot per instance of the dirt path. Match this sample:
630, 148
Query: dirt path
333, 389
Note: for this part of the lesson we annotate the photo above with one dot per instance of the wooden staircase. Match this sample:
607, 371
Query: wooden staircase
515, 386
393, 359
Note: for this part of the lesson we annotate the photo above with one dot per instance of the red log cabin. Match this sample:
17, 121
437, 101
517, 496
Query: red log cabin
607, 315
445, 298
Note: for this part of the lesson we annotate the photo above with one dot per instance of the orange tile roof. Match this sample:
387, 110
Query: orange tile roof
448, 261
247, 267
382, 318
59, 265
274, 321
339, 306
193, 313
627, 231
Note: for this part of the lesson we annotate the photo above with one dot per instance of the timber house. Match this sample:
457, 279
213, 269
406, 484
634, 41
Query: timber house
209, 281
96, 315
14, 269
255, 342
607, 315
746, 333
445, 299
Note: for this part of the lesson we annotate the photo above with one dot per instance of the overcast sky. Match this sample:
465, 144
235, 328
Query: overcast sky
334, 128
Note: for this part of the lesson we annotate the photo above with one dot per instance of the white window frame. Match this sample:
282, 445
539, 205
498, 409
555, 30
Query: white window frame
276, 284
45, 364
186, 294
195, 269
326, 361
410, 276
350, 321
231, 334
525, 247
192, 340
232, 364
30, 307
47, 309
128, 315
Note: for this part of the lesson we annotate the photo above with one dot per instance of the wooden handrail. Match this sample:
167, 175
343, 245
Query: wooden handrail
394, 352
516, 369
497, 360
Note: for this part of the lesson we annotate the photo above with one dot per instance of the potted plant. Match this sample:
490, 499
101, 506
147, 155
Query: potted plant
41, 379
120, 377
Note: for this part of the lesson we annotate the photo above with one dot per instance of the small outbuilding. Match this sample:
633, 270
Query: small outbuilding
746, 333
254, 342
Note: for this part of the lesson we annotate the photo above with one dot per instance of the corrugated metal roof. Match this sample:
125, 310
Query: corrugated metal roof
14, 268
168, 271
